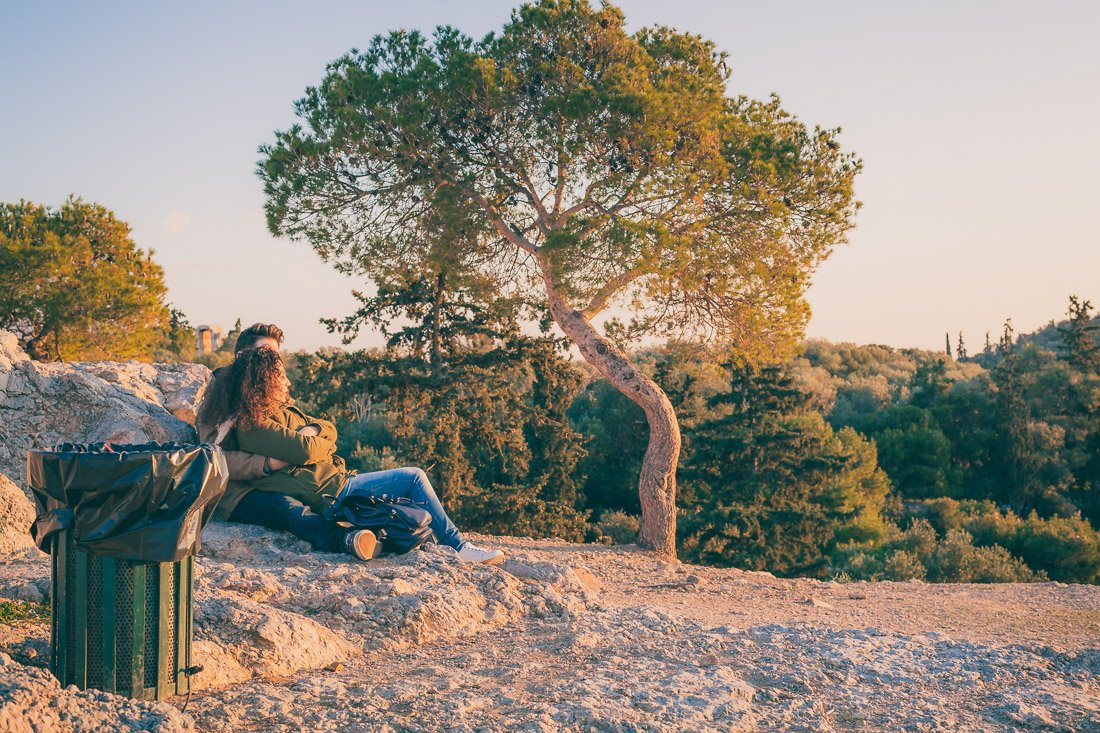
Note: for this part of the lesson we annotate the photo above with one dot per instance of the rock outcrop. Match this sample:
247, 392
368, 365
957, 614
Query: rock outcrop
16, 515
44, 404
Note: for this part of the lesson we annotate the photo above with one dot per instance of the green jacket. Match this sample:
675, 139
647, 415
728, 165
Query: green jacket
315, 471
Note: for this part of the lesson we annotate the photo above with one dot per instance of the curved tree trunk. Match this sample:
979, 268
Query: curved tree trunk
657, 483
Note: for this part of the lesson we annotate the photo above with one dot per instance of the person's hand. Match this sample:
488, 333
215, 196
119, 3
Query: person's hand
274, 464
309, 430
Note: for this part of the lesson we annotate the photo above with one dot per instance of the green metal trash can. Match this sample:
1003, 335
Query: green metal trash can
123, 524
123, 626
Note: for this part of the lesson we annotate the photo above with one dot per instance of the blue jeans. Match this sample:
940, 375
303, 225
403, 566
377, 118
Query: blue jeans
411, 483
279, 511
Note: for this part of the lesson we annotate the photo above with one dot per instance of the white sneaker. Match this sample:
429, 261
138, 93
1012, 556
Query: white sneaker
472, 553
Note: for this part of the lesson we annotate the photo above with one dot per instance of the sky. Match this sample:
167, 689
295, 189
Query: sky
976, 123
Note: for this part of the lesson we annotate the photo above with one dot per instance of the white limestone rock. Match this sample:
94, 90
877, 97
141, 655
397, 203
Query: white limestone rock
45, 404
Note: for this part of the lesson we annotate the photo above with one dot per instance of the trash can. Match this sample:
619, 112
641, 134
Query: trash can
123, 523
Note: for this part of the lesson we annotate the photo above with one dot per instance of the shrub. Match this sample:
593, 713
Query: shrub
620, 527
1064, 548
13, 613
903, 565
919, 552
956, 560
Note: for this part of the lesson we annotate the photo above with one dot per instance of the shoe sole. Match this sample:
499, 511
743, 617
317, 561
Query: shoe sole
373, 547
494, 560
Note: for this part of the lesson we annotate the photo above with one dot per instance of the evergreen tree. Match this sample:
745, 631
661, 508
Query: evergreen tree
462, 392
178, 341
1079, 337
929, 383
915, 453
960, 349
1029, 460
771, 486
947, 341
1007, 340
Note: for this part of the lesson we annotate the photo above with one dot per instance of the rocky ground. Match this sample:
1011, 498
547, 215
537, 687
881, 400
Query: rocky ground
567, 637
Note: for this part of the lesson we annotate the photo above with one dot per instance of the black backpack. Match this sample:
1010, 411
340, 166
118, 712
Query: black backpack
400, 524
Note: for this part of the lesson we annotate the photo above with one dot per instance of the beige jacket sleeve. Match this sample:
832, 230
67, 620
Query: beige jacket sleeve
243, 466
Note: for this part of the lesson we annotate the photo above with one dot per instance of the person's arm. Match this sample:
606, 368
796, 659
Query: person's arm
274, 464
284, 444
324, 428
243, 466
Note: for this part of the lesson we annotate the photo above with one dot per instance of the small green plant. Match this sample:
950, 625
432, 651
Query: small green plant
620, 527
16, 612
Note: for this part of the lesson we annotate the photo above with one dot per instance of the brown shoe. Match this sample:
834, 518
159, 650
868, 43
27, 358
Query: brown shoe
362, 544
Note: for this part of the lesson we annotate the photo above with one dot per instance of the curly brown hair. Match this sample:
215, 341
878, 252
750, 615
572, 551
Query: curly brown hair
246, 391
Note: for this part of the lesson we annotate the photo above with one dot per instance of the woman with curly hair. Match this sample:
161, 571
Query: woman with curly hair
248, 408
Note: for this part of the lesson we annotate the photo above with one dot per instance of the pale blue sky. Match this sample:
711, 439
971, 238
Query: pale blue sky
976, 122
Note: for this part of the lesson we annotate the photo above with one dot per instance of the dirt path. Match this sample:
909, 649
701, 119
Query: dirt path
1064, 617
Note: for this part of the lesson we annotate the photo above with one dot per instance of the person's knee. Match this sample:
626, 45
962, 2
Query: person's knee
415, 475
420, 486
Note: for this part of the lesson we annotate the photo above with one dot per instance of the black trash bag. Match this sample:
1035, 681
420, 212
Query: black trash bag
137, 502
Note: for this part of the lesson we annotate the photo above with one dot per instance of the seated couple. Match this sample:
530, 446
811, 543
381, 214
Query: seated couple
283, 467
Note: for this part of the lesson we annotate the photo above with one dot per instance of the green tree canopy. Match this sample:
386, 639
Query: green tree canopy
566, 156
771, 486
73, 285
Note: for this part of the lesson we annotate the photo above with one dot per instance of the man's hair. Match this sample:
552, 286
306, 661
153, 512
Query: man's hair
251, 335
246, 390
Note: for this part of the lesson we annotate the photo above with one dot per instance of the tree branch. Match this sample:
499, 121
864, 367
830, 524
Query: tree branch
603, 296
509, 233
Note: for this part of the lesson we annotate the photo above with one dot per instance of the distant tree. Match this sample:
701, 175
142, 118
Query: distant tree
1079, 337
960, 349
1007, 340
178, 341
929, 383
567, 157
967, 417
947, 342
73, 285
915, 453
617, 436
1030, 459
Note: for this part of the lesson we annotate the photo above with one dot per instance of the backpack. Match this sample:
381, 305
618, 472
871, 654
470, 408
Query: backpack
400, 524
